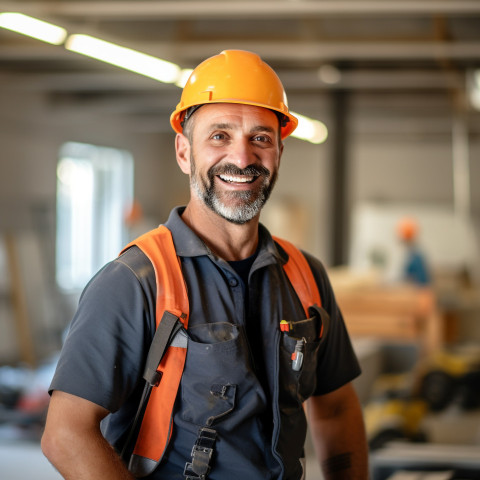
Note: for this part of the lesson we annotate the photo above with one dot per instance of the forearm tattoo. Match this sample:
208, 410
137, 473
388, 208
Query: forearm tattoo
337, 463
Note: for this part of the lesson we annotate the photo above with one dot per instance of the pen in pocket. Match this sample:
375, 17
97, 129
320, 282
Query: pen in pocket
297, 355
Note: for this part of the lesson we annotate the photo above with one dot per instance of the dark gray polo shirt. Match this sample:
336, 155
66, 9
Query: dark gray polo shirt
104, 353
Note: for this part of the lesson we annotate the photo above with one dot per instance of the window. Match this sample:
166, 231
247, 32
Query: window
94, 189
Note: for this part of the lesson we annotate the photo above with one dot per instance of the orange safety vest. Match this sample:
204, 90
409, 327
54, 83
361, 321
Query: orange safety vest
156, 427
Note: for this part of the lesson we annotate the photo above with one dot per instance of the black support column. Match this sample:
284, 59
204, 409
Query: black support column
340, 218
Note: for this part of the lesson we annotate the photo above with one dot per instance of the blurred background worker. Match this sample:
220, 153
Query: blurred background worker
415, 266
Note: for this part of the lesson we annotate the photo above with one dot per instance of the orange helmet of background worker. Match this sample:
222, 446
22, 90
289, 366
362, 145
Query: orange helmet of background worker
235, 76
407, 229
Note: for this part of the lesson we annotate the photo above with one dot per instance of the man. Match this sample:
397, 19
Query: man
238, 412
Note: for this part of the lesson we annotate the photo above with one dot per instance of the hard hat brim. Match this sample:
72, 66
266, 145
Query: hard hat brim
176, 118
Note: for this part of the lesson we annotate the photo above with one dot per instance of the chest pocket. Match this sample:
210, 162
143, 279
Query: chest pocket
300, 348
217, 363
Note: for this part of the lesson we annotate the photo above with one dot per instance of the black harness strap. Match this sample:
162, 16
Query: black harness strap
166, 331
202, 453
164, 335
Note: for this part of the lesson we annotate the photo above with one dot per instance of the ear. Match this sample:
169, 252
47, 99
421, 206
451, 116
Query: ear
182, 149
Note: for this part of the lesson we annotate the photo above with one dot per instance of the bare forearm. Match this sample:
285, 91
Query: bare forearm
73, 443
345, 458
338, 434
85, 457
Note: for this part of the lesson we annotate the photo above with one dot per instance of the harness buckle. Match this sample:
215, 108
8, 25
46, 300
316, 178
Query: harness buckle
202, 452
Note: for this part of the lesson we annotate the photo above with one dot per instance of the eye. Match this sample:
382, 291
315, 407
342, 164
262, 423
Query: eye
262, 139
218, 136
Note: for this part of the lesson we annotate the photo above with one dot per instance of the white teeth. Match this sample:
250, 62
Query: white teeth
235, 179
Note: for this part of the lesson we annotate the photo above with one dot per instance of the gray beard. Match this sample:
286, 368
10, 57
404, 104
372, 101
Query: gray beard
249, 204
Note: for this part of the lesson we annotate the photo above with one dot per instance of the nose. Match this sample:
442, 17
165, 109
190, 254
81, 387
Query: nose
241, 153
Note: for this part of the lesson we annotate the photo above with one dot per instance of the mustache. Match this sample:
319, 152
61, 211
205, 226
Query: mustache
231, 169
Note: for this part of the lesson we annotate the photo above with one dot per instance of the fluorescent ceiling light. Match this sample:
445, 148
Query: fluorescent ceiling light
32, 27
308, 129
183, 77
476, 77
475, 99
123, 57
473, 88
329, 74
312, 131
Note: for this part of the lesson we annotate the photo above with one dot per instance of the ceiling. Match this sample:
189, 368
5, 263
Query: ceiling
371, 47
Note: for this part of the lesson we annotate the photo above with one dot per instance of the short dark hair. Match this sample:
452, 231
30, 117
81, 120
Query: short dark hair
187, 122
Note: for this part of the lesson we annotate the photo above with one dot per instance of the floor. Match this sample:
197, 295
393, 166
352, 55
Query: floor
24, 461
21, 457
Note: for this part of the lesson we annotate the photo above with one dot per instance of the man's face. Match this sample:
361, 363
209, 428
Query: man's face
235, 155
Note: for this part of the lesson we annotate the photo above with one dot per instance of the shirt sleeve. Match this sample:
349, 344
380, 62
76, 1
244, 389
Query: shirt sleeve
103, 355
338, 363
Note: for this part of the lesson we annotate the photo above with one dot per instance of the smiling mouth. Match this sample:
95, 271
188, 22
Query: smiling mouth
237, 178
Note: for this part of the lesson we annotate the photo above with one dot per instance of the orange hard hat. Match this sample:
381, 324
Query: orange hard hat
407, 228
235, 76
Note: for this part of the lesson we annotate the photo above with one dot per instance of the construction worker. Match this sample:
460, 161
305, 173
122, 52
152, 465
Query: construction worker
414, 269
252, 354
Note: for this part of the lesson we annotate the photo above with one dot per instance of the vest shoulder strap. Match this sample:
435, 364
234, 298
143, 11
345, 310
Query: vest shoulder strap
300, 275
156, 427
158, 246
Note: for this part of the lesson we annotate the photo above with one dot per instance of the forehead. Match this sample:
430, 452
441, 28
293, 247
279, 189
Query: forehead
236, 114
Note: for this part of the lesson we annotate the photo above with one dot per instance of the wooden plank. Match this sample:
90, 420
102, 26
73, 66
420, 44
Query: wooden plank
19, 304
401, 313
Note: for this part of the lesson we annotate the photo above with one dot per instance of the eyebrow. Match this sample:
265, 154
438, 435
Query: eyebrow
231, 126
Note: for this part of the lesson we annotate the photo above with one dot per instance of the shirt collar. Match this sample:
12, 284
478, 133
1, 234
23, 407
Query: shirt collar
187, 244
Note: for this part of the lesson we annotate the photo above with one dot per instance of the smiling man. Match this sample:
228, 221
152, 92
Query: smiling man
232, 154
249, 334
